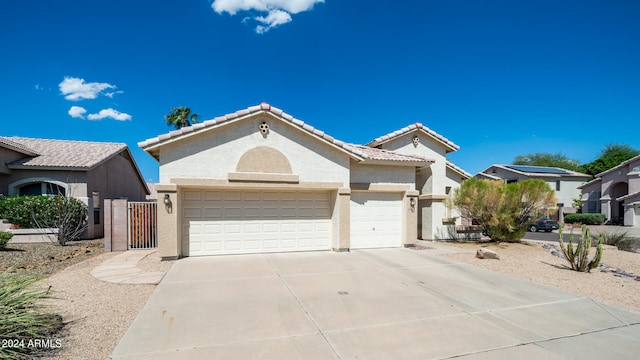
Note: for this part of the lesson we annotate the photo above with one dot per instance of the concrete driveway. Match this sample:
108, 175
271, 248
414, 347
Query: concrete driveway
368, 304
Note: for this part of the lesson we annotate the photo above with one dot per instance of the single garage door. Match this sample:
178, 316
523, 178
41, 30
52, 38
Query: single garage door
376, 220
240, 222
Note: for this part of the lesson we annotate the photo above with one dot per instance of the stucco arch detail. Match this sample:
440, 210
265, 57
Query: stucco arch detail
14, 187
264, 159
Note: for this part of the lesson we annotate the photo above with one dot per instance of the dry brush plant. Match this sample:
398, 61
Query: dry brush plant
579, 258
24, 317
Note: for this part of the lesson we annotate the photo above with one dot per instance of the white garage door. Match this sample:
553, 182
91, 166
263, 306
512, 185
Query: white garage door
376, 220
238, 222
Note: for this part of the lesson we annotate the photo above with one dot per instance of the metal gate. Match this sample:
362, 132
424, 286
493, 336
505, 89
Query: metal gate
142, 225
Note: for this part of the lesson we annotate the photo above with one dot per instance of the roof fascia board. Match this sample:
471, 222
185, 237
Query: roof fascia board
204, 129
421, 130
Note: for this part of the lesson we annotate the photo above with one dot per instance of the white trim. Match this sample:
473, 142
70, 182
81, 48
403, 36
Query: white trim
14, 187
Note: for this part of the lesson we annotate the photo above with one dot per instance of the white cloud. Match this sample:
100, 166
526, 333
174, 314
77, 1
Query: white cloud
109, 113
110, 94
278, 12
275, 18
77, 112
77, 89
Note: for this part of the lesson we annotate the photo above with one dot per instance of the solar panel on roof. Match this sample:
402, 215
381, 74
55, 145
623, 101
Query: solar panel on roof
538, 169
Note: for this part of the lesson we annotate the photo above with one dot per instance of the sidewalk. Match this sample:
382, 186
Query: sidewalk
122, 269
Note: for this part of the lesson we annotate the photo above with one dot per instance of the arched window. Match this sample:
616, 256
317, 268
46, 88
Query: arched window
38, 186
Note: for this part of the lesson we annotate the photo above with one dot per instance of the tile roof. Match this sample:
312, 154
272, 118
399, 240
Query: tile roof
413, 127
458, 169
538, 171
386, 155
624, 163
358, 151
8, 143
65, 153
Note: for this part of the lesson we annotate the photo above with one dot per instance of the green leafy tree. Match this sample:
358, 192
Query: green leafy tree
180, 117
502, 210
549, 160
613, 155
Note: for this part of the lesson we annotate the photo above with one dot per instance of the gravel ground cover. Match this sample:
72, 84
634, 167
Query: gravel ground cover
96, 313
47, 258
616, 281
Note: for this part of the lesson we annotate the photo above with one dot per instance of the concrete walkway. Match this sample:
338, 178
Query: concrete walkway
122, 269
368, 304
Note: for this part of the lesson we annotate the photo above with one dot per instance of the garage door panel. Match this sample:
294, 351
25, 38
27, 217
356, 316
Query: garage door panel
212, 195
230, 222
190, 195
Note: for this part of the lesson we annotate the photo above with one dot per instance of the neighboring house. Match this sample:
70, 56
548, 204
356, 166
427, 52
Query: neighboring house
259, 180
88, 171
615, 193
566, 183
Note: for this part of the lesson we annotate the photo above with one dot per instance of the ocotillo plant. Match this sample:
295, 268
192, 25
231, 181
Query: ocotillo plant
579, 258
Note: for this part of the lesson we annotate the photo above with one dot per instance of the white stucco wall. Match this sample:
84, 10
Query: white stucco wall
214, 154
433, 179
365, 174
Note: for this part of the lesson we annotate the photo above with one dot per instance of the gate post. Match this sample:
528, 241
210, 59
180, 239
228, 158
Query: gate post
115, 225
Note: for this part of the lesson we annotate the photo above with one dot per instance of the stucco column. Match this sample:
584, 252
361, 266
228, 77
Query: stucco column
343, 228
410, 218
169, 231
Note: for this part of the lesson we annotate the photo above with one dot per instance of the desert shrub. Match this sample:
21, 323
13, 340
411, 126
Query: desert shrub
5, 236
579, 258
586, 219
613, 237
619, 239
23, 316
502, 210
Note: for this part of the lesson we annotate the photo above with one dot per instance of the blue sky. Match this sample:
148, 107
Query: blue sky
500, 78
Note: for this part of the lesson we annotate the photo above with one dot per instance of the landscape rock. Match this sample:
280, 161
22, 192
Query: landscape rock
483, 253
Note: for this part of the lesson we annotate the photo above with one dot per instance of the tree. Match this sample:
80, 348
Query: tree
549, 160
181, 116
502, 210
613, 155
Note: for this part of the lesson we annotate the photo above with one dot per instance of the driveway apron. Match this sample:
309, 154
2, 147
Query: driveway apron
368, 304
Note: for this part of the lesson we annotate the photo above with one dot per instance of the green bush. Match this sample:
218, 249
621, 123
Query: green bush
21, 210
5, 236
23, 316
586, 219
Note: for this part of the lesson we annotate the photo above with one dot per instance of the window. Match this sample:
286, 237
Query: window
557, 185
38, 186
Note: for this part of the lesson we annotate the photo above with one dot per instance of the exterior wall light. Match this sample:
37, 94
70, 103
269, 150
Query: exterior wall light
167, 203
412, 203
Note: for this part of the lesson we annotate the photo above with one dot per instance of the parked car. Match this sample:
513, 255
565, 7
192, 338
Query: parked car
544, 223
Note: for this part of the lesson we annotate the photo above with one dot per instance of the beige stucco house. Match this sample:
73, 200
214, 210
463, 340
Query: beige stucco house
615, 193
88, 171
565, 183
259, 180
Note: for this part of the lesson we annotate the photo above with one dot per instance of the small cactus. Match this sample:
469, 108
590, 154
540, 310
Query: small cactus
579, 258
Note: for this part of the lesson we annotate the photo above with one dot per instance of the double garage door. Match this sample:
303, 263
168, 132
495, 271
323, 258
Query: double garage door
239, 222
